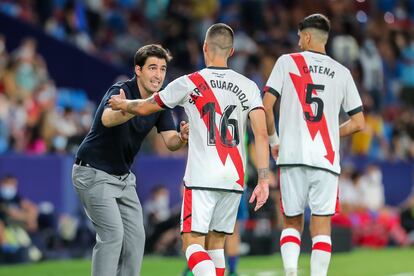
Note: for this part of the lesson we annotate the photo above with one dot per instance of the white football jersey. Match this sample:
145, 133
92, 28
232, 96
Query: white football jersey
313, 87
217, 102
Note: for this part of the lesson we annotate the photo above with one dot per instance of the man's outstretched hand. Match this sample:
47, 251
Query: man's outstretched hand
260, 194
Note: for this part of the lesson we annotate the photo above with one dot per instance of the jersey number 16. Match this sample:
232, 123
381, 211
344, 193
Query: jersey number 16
230, 139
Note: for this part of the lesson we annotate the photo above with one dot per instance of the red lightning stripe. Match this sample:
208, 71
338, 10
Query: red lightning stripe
222, 150
314, 127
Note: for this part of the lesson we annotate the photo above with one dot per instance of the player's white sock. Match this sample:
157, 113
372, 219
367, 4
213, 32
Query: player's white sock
217, 256
290, 250
321, 255
199, 261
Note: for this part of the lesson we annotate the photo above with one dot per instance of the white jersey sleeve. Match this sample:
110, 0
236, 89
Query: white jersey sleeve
274, 84
351, 103
175, 93
257, 100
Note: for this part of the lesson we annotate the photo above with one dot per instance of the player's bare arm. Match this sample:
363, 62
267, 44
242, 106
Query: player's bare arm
354, 124
136, 107
111, 118
269, 101
263, 173
261, 192
175, 140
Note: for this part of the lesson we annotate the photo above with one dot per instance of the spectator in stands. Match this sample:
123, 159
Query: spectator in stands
364, 210
407, 69
4, 58
403, 135
14, 207
161, 223
66, 127
4, 127
371, 141
2, 233
350, 198
30, 68
407, 217
372, 189
9, 80
18, 218
372, 68
157, 209
112, 28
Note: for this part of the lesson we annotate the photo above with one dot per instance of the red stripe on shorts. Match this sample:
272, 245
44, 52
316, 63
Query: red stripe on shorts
188, 202
324, 246
196, 258
289, 239
337, 205
280, 188
220, 271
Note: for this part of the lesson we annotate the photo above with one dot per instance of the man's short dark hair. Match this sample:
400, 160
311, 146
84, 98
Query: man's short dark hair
220, 29
316, 21
151, 50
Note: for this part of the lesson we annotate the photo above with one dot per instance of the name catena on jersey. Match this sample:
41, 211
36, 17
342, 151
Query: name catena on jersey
313, 87
217, 102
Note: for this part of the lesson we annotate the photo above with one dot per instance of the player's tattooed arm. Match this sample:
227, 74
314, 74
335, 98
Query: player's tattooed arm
151, 100
136, 107
263, 173
261, 191
131, 106
137, 104
141, 107
123, 109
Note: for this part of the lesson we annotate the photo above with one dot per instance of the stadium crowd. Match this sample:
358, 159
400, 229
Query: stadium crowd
35, 116
374, 39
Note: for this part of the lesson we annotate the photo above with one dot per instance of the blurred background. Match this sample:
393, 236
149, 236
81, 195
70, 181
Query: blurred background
58, 58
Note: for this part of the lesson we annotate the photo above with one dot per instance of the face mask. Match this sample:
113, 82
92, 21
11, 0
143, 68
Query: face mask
60, 142
25, 68
8, 192
163, 202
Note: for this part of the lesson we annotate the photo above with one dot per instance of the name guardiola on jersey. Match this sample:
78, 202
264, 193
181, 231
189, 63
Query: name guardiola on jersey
229, 86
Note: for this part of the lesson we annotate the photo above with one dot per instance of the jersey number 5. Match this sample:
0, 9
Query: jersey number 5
311, 99
209, 109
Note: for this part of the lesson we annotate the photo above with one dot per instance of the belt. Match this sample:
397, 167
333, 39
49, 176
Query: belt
80, 162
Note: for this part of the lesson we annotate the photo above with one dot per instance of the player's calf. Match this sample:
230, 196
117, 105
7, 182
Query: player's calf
321, 255
199, 261
290, 250
217, 256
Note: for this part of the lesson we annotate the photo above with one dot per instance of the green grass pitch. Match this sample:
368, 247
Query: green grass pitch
360, 262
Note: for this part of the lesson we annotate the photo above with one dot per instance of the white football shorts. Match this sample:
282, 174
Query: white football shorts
300, 185
206, 210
